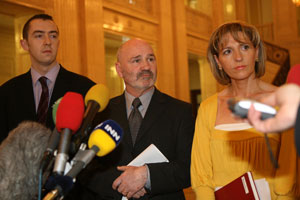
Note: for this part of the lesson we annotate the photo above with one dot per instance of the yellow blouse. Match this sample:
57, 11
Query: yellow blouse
219, 156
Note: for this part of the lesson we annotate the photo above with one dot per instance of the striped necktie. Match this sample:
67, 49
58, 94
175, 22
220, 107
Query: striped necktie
44, 101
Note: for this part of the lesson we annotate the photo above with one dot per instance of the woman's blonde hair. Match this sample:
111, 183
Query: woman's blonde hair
234, 29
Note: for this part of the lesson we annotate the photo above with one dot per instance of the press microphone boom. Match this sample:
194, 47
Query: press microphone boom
104, 138
96, 100
68, 119
51, 146
53, 140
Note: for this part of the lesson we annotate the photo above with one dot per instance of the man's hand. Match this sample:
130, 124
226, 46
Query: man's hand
139, 193
132, 181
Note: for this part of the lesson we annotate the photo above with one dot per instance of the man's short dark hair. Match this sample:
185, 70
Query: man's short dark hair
27, 24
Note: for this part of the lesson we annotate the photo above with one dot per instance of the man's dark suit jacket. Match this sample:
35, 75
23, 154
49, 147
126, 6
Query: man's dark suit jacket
169, 125
17, 99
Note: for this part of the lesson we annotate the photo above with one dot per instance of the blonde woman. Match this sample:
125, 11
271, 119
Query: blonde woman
225, 147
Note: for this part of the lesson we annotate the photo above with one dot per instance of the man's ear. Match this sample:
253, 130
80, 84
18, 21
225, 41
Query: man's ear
24, 44
118, 69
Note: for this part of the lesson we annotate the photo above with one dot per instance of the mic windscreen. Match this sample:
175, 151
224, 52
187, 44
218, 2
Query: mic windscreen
54, 109
98, 93
70, 112
20, 156
106, 136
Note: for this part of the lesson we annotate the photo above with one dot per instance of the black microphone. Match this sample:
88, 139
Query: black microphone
51, 146
20, 156
96, 100
105, 138
68, 119
53, 141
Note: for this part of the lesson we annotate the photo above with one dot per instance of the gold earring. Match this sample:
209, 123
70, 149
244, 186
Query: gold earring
220, 68
256, 60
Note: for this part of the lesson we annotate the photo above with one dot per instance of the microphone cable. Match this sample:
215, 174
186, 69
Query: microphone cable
272, 157
40, 184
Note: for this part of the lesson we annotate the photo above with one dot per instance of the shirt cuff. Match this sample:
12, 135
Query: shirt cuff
148, 182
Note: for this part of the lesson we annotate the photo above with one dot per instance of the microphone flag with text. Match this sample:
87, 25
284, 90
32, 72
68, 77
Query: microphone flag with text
104, 139
96, 100
68, 119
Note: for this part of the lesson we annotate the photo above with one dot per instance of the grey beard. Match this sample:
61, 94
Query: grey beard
145, 72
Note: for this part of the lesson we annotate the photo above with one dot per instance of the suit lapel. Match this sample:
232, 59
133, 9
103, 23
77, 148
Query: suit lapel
153, 113
62, 84
27, 93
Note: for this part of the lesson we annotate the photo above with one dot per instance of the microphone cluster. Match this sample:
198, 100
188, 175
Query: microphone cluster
72, 134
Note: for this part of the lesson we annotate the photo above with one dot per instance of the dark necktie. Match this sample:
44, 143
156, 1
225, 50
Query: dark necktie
44, 101
135, 119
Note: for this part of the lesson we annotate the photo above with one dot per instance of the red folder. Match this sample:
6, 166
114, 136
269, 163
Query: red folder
242, 188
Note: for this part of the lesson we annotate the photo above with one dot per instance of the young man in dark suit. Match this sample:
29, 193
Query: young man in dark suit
165, 122
20, 97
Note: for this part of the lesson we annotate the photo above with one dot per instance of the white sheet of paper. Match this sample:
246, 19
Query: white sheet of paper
150, 155
263, 189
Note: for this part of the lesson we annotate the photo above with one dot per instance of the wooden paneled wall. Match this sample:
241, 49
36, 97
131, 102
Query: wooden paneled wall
285, 28
173, 29
7, 50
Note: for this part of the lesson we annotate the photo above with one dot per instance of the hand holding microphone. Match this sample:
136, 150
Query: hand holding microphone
105, 138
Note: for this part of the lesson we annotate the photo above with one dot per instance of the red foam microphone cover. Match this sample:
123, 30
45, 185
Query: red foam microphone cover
294, 75
70, 112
